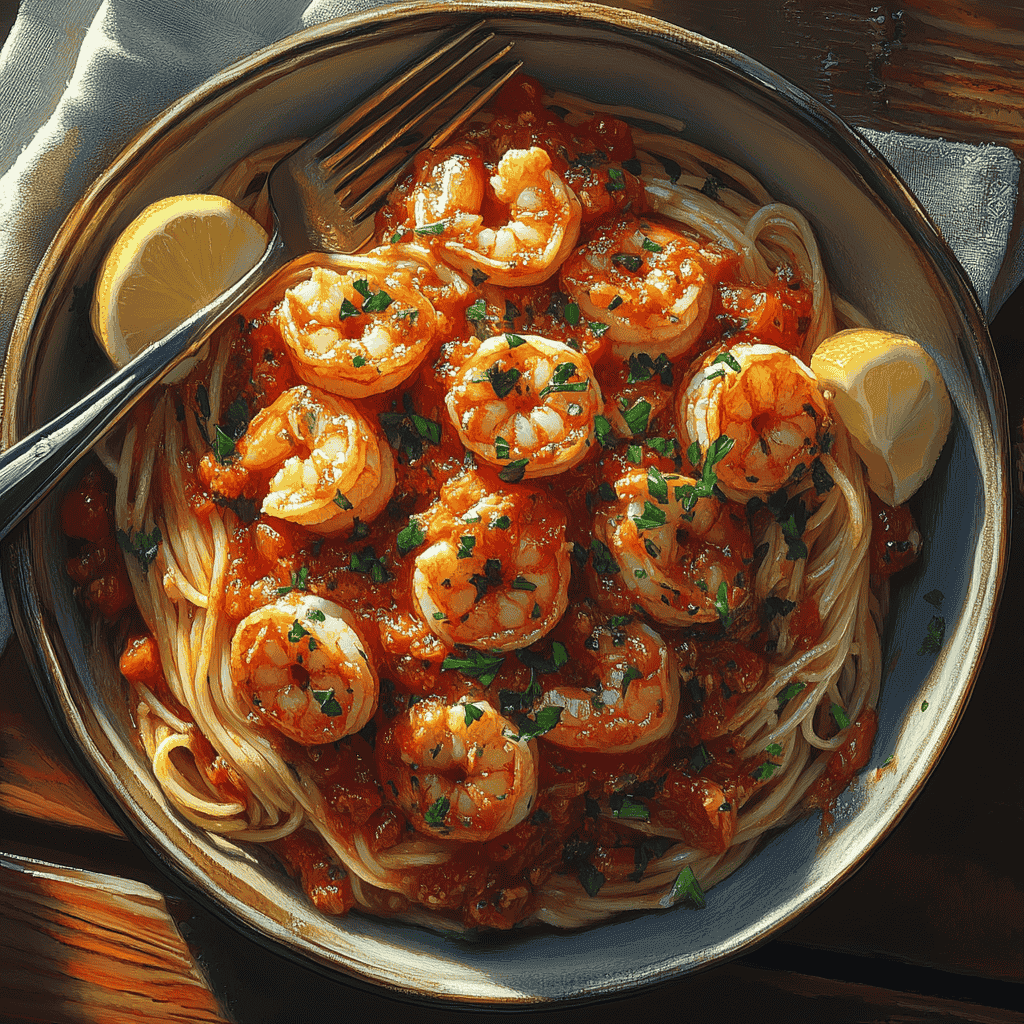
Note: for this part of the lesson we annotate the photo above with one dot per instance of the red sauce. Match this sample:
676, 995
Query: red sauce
895, 538
691, 782
98, 566
848, 759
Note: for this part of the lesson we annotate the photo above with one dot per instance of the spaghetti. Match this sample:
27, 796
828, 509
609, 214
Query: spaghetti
517, 570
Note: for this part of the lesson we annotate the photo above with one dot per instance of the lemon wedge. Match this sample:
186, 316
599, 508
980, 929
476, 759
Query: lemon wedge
173, 258
891, 397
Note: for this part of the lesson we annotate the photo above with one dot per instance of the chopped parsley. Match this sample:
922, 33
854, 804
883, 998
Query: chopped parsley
821, 477
298, 581
514, 471
652, 518
725, 614
628, 261
540, 663
631, 673
544, 721
728, 359
788, 693
839, 716
686, 888
296, 632
604, 563
642, 367
407, 431
616, 180
328, 703
625, 807
437, 812
711, 185
657, 486
411, 537
373, 302
560, 380
637, 416
478, 665
365, 560
502, 381
142, 546
936, 633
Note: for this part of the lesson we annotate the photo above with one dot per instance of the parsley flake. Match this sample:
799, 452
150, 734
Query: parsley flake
437, 812
411, 537
478, 665
932, 642
686, 888
142, 546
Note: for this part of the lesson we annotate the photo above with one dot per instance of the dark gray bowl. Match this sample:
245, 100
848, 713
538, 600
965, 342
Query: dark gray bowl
882, 254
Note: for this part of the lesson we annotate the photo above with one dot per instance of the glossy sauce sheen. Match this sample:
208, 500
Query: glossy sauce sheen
692, 781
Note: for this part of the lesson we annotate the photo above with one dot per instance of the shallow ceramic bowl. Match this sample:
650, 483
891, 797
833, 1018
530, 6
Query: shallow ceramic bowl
882, 254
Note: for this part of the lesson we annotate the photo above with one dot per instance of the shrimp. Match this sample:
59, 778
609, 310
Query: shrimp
632, 700
651, 285
305, 668
522, 400
331, 466
543, 221
495, 572
357, 328
685, 559
769, 403
457, 771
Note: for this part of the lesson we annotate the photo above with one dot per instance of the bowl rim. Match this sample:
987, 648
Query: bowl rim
279, 59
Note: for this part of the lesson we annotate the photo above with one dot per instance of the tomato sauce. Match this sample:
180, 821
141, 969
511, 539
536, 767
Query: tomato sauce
691, 782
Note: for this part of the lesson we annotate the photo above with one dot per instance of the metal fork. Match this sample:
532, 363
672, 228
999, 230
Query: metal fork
323, 198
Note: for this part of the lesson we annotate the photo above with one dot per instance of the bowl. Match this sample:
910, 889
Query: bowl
882, 254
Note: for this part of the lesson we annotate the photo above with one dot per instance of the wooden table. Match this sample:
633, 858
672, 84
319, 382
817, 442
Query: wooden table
928, 930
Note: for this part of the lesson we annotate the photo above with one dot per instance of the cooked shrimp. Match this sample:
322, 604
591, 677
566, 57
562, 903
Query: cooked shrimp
685, 559
459, 772
332, 465
644, 279
521, 399
543, 222
768, 402
632, 700
358, 327
443, 286
305, 668
494, 574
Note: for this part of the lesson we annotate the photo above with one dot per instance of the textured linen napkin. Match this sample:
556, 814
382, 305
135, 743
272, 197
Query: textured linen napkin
78, 78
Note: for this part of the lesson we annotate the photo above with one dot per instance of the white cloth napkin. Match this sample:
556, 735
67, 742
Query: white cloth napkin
78, 78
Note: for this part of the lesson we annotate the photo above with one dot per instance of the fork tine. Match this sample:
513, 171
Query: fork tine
395, 127
381, 186
322, 144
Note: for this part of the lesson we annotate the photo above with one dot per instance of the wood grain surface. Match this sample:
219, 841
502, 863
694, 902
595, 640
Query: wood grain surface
929, 930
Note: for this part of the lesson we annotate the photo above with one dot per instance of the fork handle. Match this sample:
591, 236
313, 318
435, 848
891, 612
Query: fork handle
31, 468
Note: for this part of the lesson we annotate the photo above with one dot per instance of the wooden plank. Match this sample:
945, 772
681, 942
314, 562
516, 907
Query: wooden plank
36, 775
79, 946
